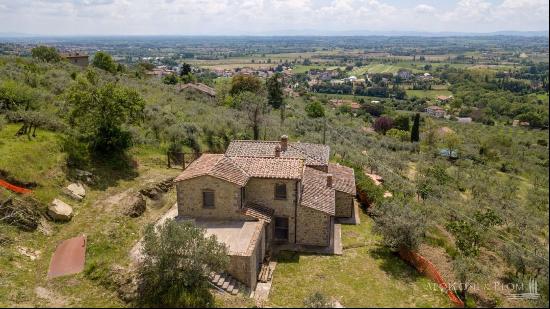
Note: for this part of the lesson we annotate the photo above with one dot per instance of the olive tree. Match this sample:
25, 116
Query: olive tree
177, 258
401, 225
255, 108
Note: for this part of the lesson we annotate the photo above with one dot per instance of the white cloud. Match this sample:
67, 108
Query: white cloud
424, 9
256, 16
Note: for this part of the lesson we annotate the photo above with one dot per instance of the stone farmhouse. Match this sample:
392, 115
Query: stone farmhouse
436, 111
266, 195
76, 58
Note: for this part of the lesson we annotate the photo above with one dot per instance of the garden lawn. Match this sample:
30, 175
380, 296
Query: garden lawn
366, 275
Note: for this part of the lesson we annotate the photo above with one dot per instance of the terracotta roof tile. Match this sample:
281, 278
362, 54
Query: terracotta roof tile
344, 178
199, 87
239, 170
215, 165
258, 211
315, 193
281, 168
314, 154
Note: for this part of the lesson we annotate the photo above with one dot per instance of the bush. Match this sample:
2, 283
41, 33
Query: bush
170, 79
402, 122
383, 124
104, 61
400, 225
315, 110
317, 300
368, 192
46, 54
398, 134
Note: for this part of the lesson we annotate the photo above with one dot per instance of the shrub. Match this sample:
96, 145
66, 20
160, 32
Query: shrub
317, 300
398, 134
315, 110
400, 225
45, 53
170, 79
368, 192
383, 124
402, 122
104, 61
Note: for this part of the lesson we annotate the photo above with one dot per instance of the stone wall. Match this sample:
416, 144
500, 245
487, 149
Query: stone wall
344, 205
313, 227
262, 191
227, 199
243, 267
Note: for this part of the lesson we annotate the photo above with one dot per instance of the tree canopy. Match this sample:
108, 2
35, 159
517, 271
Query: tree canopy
98, 112
46, 54
177, 258
104, 61
241, 83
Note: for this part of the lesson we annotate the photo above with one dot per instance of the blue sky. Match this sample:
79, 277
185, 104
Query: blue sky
225, 17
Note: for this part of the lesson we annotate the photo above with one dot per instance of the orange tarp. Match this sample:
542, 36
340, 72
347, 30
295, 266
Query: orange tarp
13, 188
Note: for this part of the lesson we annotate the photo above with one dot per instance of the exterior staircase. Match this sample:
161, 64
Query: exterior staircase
228, 284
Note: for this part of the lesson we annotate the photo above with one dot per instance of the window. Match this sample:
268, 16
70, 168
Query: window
280, 191
208, 199
281, 228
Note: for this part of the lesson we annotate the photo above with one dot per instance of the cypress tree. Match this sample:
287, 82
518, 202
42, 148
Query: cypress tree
415, 130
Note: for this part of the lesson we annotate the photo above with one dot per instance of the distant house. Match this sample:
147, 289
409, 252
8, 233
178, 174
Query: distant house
198, 87
350, 79
76, 58
339, 102
464, 119
425, 76
289, 92
160, 72
444, 99
436, 111
404, 74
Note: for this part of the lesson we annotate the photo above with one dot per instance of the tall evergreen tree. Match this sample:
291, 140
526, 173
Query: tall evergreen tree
274, 91
415, 130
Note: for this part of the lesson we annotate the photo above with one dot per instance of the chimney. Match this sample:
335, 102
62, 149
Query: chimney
284, 142
277, 151
329, 180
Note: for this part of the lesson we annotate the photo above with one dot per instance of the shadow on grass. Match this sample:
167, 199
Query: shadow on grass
393, 265
108, 171
291, 257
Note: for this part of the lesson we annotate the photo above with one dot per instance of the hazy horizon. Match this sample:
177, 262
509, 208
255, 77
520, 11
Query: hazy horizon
269, 17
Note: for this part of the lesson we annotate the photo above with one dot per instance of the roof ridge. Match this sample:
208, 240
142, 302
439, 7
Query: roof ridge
253, 140
304, 153
212, 166
266, 157
237, 166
